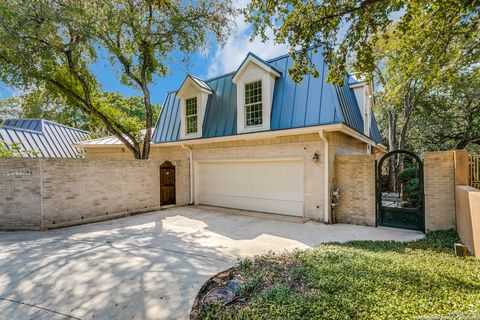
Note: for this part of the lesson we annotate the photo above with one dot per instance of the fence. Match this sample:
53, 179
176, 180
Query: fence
474, 171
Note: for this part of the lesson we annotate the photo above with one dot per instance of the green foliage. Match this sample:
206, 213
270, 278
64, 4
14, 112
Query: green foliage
41, 104
410, 184
52, 45
350, 30
449, 117
14, 150
363, 280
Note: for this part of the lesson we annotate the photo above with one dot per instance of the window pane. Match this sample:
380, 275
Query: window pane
253, 104
191, 106
253, 114
191, 124
191, 115
253, 92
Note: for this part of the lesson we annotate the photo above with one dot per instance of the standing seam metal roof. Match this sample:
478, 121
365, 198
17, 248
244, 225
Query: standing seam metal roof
313, 102
47, 138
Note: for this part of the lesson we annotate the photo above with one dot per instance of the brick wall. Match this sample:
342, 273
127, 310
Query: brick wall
439, 173
20, 194
355, 176
64, 192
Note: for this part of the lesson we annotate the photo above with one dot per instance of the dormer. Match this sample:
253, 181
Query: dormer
255, 81
193, 95
363, 95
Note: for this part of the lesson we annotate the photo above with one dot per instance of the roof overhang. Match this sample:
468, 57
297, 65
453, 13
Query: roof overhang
251, 58
335, 127
190, 83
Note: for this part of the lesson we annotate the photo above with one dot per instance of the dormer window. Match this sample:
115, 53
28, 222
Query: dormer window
253, 104
193, 95
255, 81
191, 115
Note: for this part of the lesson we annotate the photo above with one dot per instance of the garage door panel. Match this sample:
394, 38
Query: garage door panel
268, 186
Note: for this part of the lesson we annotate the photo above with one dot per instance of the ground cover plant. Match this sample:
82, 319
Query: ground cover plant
355, 280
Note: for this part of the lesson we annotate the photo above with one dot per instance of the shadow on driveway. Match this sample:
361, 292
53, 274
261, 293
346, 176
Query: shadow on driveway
147, 266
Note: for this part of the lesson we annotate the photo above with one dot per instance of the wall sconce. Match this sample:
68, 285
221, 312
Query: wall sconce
316, 158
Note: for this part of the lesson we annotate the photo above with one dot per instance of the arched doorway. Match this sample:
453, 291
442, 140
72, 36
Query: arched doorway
167, 184
400, 197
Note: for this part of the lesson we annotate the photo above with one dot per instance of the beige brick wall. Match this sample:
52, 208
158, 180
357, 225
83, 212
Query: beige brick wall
78, 189
355, 176
20, 195
439, 173
177, 155
70, 191
295, 146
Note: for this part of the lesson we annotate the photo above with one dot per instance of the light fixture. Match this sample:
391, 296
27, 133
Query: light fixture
316, 157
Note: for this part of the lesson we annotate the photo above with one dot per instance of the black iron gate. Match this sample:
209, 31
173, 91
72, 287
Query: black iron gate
400, 198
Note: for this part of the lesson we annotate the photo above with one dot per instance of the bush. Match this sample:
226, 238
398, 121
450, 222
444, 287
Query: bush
410, 184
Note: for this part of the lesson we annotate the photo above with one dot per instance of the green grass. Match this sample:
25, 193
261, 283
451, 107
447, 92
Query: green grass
358, 280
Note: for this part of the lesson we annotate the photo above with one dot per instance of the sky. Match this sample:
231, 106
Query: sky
215, 62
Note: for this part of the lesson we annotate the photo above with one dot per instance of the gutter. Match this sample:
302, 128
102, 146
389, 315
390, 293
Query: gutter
326, 189
190, 152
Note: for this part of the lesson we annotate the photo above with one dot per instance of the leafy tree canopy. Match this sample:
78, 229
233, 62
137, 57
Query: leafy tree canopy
40, 103
52, 44
350, 30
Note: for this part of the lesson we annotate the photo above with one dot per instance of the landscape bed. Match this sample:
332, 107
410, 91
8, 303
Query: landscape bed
354, 280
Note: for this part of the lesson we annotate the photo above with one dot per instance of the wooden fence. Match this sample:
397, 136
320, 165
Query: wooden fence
474, 170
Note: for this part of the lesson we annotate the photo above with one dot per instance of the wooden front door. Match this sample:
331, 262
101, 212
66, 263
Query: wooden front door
167, 184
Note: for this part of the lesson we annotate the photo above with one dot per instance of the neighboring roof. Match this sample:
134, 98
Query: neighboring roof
313, 102
109, 140
46, 138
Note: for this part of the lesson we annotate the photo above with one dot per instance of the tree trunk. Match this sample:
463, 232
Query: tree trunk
392, 132
148, 122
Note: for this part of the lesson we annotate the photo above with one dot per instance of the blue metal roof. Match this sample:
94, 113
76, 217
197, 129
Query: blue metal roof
313, 102
46, 138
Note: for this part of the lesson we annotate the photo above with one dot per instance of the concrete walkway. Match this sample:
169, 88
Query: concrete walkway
147, 266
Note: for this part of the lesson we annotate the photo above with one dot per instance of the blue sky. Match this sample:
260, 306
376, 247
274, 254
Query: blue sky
205, 65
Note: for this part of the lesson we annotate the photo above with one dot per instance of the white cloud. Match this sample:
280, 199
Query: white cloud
229, 57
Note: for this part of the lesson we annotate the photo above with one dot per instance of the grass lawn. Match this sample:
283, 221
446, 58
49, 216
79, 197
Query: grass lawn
358, 280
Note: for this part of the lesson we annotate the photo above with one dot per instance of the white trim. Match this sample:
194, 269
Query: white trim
252, 59
191, 173
340, 127
326, 188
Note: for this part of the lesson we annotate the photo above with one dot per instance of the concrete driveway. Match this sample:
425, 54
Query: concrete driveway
147, 266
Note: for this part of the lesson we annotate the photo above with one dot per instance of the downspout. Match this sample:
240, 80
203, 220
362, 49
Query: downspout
326, 189
190, 152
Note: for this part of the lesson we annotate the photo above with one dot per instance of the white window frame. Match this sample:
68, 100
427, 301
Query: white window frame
257, 103
187, 116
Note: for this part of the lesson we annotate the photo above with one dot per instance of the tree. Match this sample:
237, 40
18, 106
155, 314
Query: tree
349, 30
14, 150
52, 44
39, 103
449, 117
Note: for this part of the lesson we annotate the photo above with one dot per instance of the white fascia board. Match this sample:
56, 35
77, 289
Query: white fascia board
259, 63
276, 133
184, 89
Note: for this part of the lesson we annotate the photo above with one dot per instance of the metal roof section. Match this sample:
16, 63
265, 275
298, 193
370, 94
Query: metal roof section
45, 138
201, 83
313, 102
374, 131
108, 140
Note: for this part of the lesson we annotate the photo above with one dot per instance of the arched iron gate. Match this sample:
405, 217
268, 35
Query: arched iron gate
399, 190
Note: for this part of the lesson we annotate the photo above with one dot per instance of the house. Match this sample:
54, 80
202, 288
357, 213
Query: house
45, 138
255, 140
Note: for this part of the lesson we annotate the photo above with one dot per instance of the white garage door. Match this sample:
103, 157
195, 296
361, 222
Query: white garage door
267, 186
